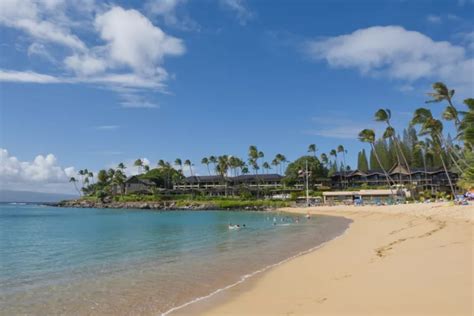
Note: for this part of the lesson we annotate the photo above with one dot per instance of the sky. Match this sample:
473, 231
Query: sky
89, 84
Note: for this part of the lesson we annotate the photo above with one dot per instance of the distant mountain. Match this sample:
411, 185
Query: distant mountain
28, 196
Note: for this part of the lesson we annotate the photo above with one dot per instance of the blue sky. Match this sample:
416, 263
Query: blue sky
95, 83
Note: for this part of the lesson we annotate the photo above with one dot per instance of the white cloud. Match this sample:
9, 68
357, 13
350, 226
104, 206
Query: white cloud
39, 50
107, 127
34, 18
396, 53
132, 40
435, 19
238, 6
43, 174
338, 127
130, 52
167, 11
27, 77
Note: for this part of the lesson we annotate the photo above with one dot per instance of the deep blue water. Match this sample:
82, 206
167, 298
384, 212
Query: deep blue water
67, 260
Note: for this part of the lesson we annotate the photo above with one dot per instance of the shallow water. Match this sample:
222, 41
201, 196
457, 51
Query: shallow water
96, 261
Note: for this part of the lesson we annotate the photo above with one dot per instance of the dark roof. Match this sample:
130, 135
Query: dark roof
259, 177
203, 179
137, 179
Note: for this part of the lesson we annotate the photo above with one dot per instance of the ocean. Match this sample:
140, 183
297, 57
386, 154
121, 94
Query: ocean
140, 262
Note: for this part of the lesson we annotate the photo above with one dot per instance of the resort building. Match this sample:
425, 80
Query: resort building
135, 185
365, 196
433, 180
218, 185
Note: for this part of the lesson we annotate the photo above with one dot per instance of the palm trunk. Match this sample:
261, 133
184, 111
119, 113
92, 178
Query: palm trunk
387, 177
447, 175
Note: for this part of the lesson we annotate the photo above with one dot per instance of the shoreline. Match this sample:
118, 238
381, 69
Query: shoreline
399, 260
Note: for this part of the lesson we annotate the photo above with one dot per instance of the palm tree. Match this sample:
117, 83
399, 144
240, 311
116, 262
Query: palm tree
161, 163
341, 149
205, 161
139, 164
222, 168
283, 161
74, 182
276, 163
424, 148
146, 168
188, 163
312, 149
466, 127
324, 159
266, 166
434, 128
384, 116
213, 160
119, 180
368, 136
121, 167
178, 163
442, 93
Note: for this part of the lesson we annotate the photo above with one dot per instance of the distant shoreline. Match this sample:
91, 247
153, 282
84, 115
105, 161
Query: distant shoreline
175, 205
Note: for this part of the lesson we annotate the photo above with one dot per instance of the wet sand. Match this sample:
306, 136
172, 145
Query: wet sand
393, 260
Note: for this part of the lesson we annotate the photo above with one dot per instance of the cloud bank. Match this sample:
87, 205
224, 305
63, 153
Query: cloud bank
396, 53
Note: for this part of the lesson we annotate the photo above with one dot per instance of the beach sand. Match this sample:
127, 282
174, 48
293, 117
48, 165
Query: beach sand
393, 260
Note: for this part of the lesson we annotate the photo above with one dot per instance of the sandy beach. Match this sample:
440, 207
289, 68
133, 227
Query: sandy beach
393, 260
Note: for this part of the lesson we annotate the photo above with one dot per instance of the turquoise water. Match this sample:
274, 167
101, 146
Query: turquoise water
95, 261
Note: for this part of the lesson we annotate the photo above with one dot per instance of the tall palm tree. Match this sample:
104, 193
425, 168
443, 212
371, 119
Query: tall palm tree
283, 162
341, 149
276, 163
384, 115
324, 159
188, 163
146, 168
205, 161
222, 169
121, 166
368, 136
139, 164
312, 149
161, 164
266, 166
213, 160
74, 182
442, 93
466, 127
178, 163
434, 128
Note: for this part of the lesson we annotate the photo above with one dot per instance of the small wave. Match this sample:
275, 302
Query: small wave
247, 276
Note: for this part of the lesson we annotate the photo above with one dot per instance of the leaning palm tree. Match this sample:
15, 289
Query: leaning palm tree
139, 164
178, 163
74, 182
312, 149
205, 161
188, 163
466, 127
146, 168
443, 93
429, 126
368, 136
384, 115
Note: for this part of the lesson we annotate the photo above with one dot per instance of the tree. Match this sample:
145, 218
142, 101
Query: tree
178, 163
146, 168
74, 182
266, 166
368, 136
205, 161
362, 163
102, 177
434, 128
312, 149
188, 163
466, 128
315, 168
139, 164
442, 93
213, 160
384, 115
276, 163
341, 149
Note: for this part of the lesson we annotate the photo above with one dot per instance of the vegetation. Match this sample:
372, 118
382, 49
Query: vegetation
423, 144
